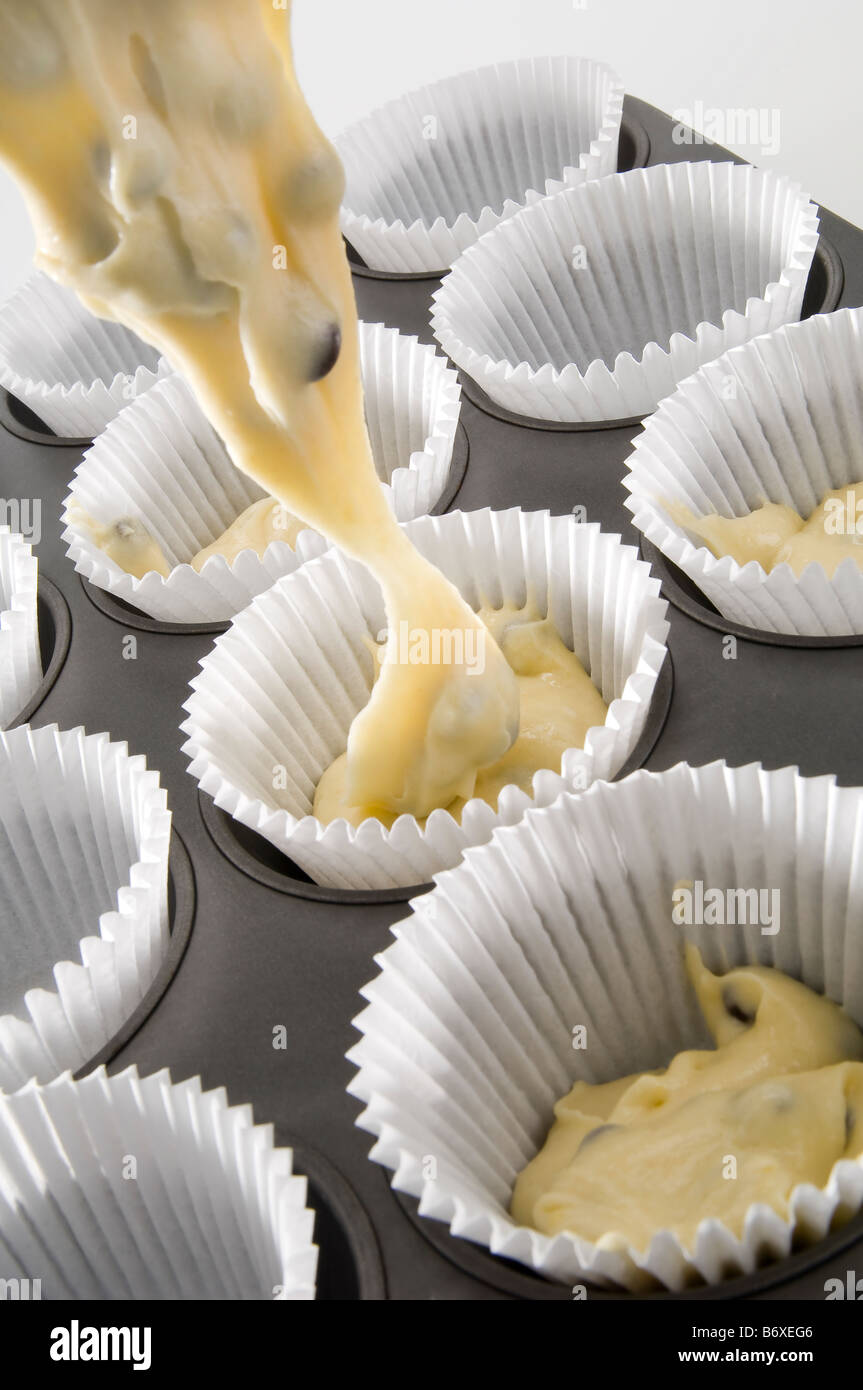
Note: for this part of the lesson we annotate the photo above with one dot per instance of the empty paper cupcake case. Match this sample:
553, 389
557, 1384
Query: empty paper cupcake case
20, 660
463, 1048
129, 1187
84, 884
162, 464
592, 303
71, 369
431, 172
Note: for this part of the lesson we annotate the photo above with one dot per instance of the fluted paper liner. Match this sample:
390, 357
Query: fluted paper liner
133, 1188
162, 462
565, 920
281, 688
84, 841
73, 370
594, 302
430, 172
777, 420
20, 660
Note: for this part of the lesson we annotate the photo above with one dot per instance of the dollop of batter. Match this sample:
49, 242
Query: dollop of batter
774, 534
132, 546
128, 543
558, 703
177, 180
777, 1103
264, 522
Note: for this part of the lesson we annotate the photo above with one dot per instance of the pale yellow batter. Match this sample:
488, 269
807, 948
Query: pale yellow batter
778, 1103
177, 180
774, 534
255, 529
757, 536
558, 704
830, 535
131, 546
128, 543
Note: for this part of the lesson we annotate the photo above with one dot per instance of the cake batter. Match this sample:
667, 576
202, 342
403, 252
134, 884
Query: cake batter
177, 181
781, 1096
774, 534
558, 704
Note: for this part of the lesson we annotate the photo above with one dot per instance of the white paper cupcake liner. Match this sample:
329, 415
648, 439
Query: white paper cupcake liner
20, 660
73, 370
593, 303
84, 841
777, 420
162, 462
134, 1188
565, 920
281, 688
429, 173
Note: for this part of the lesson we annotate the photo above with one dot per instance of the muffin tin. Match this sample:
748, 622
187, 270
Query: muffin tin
267, 948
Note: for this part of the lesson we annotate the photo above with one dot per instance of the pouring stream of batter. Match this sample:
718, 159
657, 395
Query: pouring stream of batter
178, 182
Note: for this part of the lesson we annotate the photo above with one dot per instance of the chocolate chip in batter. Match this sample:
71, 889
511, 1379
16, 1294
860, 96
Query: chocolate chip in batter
130, 528
327, 353
595, 1133
734, 1007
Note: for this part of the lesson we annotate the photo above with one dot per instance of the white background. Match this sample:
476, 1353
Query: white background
795, 56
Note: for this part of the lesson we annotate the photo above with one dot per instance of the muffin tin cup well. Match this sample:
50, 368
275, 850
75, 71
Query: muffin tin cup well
181, 919
318, 625
781, 1279
680, 591
55, 634
260, 860
259, 955
467, 1039
349, 1259
19, 420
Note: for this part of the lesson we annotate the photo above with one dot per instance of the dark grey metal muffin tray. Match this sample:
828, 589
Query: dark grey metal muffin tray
267, 947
